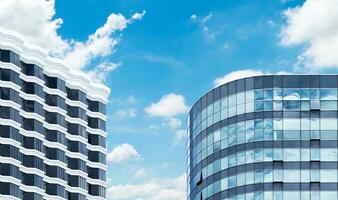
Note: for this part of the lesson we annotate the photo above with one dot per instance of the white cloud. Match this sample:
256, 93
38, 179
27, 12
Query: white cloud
153, 189
99, 44
35, 23
225, 45
179, 136
202, 21
101, 72
193, 16
270, 23
125, 113
124, 101
168, 106
140, 173
236, 75
174, 123
123, 153
138, 16
315, 25
131, 99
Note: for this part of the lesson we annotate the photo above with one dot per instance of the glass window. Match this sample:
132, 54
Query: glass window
268, 94
249, 107
305, 105
291, 94
294, 195
241, 179
258, 124
314, 123
268, 105
259, 95
250, 136
305, 94
268, 124
241, 98
328, 154
291, 154
232, 100
232, 181
315, 94
224, 103
291, 135
328, 195
315, 175
217, 106
250, 156
328, 105
277, 154
291, 105
328, 124
328, 175
249, 96
232, 111
259, 106
328, 94
250, 125
277, 105
292, 175
277, 94
291, 124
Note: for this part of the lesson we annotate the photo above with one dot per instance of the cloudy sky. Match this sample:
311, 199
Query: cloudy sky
159, 56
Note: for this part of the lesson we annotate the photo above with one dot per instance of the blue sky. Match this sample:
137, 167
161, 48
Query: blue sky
170, 54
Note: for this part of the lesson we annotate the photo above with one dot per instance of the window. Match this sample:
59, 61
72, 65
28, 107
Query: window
33, 180
10, 113
10, 132
74, 163
10, 151
55, 100
96, 123
55, 154
56, 172
32, 106
75, 146
76, 129
97, 140
56, 136
55, 83
5, 93
55, 189
32, 195
33, 162
291, 94
32, 125
10, 189
8, 75
96, 190
76, 112
32, 88
77, 181
96, 173
32, 70
76, 95
55, 118
10, 170
33, 143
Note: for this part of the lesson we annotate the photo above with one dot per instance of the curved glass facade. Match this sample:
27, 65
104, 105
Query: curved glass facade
265, 137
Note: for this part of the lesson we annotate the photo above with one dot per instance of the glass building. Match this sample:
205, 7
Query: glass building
270, 137
52, 128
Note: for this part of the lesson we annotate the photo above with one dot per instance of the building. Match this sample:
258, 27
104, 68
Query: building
270, 137
52, 128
